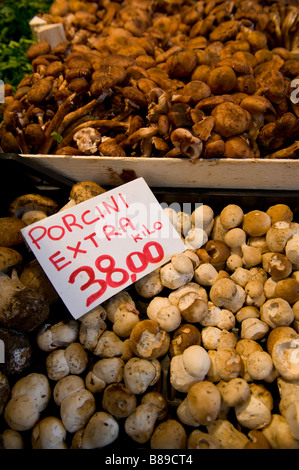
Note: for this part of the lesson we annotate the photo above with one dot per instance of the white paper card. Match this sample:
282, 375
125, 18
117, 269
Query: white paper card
99, 247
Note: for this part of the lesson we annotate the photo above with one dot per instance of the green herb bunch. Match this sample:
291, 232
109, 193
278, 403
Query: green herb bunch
16, 37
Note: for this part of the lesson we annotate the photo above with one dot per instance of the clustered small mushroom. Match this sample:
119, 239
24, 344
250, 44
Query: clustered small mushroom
188, 358
205, 80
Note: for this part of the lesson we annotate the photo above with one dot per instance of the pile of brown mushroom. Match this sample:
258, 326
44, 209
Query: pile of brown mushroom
200, 353
184, 78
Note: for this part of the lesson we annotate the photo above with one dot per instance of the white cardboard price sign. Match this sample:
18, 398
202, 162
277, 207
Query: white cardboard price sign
100, 246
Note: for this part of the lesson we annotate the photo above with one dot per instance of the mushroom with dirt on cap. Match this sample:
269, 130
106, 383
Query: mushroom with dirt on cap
32, 207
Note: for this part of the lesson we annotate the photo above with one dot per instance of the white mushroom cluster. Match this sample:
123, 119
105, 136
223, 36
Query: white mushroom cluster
203, 352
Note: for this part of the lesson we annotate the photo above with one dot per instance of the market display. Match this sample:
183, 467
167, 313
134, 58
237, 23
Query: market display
161, 79
200, 353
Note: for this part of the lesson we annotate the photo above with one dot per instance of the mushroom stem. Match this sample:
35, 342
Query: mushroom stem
75, 115
55, 123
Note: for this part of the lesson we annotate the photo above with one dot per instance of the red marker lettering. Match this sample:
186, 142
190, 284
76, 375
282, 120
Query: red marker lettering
109, 231
59, 237
91, 221
73, 222
91, 237
76, 249
147, 230
108, 206
59, 260
124, 222
123, 199
40, 237
136, 237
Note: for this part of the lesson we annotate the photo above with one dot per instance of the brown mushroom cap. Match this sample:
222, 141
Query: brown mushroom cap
186, 335
287, 289
9, 258
148, 340
280, 212
204, 400
35, 277
34, 134
30, 201
256, 223
279, 333
10, 231
39, 91
37, 49
118, 400
230, 119
218, 252
169, 434
257, 440
85, 190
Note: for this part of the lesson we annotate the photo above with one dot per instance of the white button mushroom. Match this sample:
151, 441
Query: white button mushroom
49, 433
101, 430
150, 285
140, 424
196, 238
164, 313
105, 371
169, 434
76, 409
225, 293
11, 439
219, 317
279, 234
140, 373
29, 397
178, 272
109, 345
204, 401
92, 326
60, 335
279, 434
277, 312
235, 392
202, 440
228, 436
121, 311
188, 368
191, 301
67, 386
61, 362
